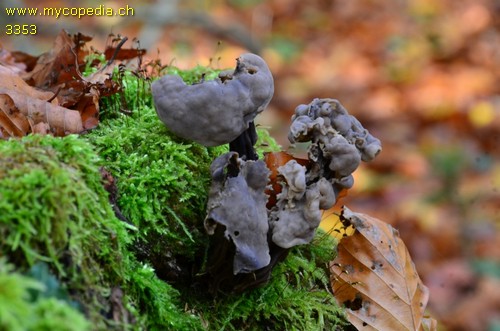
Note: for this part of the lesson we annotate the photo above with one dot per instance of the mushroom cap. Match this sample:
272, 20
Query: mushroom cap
215, 112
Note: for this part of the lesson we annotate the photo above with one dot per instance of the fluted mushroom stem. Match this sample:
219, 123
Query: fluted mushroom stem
245, 142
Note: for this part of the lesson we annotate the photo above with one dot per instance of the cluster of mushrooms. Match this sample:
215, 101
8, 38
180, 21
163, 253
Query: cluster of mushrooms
258, 210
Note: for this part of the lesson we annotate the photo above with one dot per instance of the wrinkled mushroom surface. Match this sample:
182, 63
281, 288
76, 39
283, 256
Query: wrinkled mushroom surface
237, 201
338, 145
215, 112
327, 123
297, 213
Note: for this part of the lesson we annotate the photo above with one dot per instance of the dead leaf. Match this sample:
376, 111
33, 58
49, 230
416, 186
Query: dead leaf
99, 84
9, 80
58, 66
88, 107
62, 121
41, 128
28, 60
33, 105
58, 71
374, 277
123, 53
8, 60
332, 224
12, 122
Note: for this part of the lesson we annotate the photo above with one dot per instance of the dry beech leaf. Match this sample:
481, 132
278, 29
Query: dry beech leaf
26, 59
58, 66
34, 107
58, 71
62, 121
123, 53
88, 107
374, 277
41, 128
12, 122
8, 60
9, 80
331, 223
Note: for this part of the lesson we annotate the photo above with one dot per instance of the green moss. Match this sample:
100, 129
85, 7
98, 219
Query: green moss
162, 182
193, 75
19, 311
265, 143
53, 208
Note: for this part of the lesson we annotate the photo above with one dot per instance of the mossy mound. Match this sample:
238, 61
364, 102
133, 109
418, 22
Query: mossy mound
141, 272
19, 310
54, 209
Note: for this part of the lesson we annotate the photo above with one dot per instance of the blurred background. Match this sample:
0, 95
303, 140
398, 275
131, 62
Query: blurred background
422, 75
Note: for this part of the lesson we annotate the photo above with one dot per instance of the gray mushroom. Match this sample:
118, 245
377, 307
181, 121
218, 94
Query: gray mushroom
215, 112
337, 137
297, 213
237, 201
295, 177
338, 145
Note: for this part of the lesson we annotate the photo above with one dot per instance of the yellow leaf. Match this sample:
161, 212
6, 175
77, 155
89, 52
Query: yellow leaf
332, 224
481, 114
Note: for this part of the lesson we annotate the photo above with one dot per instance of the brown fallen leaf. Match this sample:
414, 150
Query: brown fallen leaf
88, 107
123, 53
8, 60
10, 80
62, 121
28, 60
35, 106
375, 279
59, 72
41, 128
60, 65
12, 122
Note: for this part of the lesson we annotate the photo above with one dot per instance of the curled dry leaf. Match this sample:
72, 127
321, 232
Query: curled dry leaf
62, 121
123, 53
59, 65
374, 277
12, 122
8, 60
9, 80
59, 71
33, 105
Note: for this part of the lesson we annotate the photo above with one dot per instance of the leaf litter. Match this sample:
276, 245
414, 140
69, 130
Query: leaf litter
50, 93
375, 279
